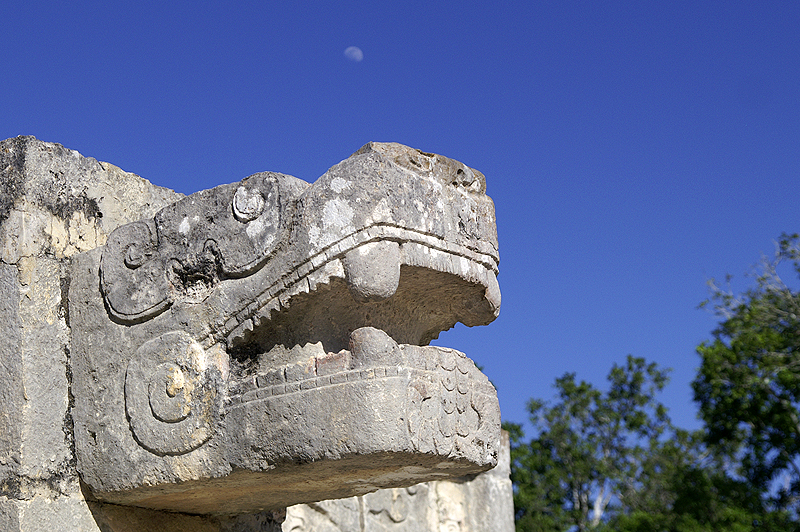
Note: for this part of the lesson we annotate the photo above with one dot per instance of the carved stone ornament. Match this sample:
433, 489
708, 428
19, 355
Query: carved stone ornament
265, 343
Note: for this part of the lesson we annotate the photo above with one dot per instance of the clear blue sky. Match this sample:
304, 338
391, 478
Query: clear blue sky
633, 149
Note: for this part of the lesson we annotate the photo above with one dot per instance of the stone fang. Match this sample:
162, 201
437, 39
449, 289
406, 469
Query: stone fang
372, 270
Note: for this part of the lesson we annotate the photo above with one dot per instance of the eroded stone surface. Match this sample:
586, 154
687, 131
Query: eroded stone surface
474, 503
264, 342
236, 335
54, 203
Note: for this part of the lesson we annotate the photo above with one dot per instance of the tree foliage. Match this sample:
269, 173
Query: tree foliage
612, 461
748, 384
686, 489
589, 448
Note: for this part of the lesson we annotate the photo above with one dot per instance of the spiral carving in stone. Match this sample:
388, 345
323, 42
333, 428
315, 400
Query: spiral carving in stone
170, 396
132, 273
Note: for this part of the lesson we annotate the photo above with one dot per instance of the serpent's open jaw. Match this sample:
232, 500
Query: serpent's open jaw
370, 309
408, 289
276, 333
410, 235
392, 238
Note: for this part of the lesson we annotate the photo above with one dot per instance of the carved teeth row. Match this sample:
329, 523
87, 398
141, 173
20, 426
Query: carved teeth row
372, 272
261, 388
373, 354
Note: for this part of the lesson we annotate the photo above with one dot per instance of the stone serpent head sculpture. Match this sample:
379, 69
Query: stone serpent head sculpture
265, 343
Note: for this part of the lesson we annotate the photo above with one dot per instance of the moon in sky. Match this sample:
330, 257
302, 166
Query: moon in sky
354, 53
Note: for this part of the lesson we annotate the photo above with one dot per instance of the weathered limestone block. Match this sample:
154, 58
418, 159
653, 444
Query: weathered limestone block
11, 388
264, 343
54, 203
475, 503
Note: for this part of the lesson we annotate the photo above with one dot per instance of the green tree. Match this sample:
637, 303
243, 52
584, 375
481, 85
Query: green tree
612, 461
683, 487
748, 384
589, 448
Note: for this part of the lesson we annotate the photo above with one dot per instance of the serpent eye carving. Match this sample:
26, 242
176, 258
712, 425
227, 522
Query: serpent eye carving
190, 246
248, 204
469, 179
135, 256
170, 396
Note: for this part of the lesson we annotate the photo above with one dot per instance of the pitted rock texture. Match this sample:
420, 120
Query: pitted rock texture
54, 204
475, 503
263, 343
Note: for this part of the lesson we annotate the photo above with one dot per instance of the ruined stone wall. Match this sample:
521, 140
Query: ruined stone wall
54, 205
